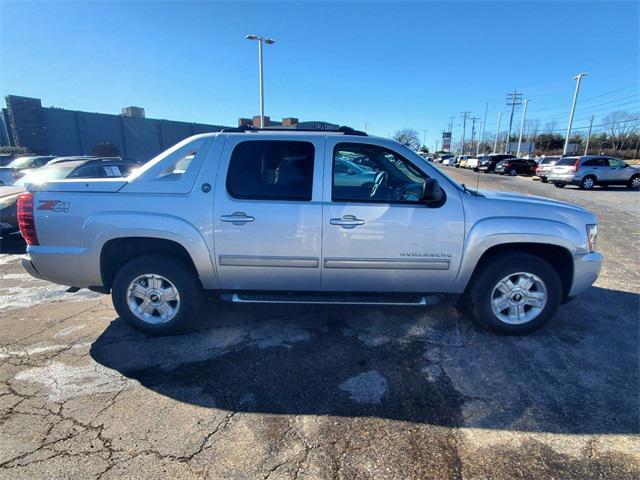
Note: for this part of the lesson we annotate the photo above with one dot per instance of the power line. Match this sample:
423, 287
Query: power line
595, 108
589, 99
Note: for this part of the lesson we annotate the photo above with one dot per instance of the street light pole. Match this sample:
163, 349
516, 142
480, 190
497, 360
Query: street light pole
524, 114
586, 147
578, 78
268, 41
495, 144
484, 125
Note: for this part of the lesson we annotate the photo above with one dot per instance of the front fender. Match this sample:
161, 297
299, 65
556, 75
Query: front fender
99, 228
491, 232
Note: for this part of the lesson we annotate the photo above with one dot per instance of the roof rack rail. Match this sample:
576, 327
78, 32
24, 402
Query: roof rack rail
250, 128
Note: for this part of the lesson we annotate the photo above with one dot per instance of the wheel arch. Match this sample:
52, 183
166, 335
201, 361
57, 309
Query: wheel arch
555, 242
146, 234
558, 257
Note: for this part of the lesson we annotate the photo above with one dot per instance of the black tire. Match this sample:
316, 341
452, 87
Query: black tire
559, 185
544, 179
477, 301
635, 179
183, 278
588, 182
513, 172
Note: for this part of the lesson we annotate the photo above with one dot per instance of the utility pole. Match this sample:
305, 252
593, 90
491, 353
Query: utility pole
524, 115
495, 144
473, 130
424, 138
465, 115
513, 100
366, 124
586, 147
577, 78
484, 125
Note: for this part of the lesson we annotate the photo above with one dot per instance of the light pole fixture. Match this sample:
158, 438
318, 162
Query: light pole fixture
577, 78
268, 41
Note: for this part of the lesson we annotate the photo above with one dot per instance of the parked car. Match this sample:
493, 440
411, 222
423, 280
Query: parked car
461, 161
544, 167
515, 166
488, 164
411, 236
5, 158
444, 156
20, 166
93, 168
447, 159
347, 172
472, 163
591, 170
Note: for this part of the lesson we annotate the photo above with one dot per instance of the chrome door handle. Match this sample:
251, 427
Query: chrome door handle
237, 218
347, 221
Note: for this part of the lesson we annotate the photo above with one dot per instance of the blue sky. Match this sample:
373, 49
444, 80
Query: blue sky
393, 65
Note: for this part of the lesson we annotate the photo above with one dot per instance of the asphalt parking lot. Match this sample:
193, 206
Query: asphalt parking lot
328, 392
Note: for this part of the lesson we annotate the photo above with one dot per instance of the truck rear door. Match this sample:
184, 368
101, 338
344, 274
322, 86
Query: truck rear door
268, 213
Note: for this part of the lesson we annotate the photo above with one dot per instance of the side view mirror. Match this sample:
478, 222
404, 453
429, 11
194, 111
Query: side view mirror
350, 171
432, 193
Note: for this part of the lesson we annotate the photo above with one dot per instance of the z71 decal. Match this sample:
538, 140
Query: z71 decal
54, 206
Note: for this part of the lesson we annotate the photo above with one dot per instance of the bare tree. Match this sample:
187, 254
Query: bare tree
621, 126
408, 137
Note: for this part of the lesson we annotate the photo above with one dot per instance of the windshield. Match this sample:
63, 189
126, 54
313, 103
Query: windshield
46, 174
21, 162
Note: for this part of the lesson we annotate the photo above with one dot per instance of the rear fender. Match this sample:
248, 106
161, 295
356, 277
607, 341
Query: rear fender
98, 229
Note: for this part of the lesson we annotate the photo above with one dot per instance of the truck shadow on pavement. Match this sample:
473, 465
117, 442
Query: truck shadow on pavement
577, 375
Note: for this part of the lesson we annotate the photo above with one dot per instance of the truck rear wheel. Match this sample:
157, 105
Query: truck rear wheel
516, 294
156, 295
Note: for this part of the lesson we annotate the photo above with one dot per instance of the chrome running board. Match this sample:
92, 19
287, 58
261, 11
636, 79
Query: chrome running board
334, 299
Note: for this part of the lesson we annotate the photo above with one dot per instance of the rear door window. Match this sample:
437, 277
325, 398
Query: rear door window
271, 170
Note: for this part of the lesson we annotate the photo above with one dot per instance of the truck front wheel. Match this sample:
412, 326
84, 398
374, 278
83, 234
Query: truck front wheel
156, 295
516, 294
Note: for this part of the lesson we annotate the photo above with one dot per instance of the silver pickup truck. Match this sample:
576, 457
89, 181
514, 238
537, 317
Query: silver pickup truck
308, 217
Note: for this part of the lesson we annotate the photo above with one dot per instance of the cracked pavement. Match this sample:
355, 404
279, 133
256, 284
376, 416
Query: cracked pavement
285, 392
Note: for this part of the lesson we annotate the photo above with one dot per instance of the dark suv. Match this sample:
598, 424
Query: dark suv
488, 164
514, 166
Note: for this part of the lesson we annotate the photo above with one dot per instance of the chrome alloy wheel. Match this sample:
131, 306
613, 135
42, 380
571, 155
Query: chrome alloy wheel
635, 182
518, 298
588, 183
153, 299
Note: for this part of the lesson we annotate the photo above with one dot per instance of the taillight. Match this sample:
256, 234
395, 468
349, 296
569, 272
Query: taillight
26, 220
576, 165
507, 165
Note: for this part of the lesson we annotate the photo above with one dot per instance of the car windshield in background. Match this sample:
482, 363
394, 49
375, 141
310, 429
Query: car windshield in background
46, 174
546, 161
20, 162
566, 161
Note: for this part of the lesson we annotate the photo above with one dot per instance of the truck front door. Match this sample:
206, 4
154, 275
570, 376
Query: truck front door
377, 234
268, 213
